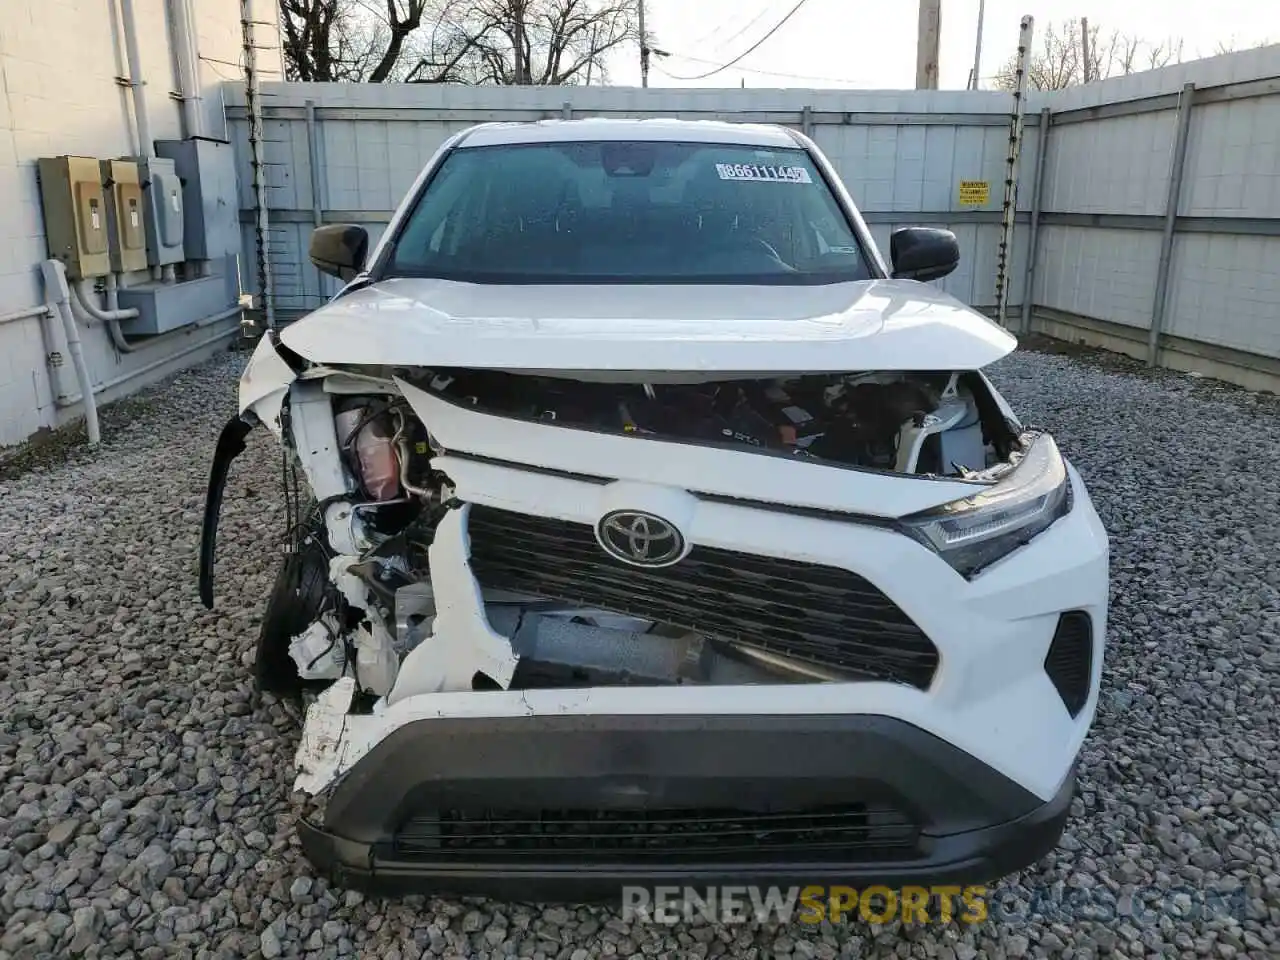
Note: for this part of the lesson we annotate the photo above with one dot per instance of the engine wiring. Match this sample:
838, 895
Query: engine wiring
328, 628
292, 510
401, 443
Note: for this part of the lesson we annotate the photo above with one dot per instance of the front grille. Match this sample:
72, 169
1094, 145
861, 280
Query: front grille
873, 833
818, 614
1069, 662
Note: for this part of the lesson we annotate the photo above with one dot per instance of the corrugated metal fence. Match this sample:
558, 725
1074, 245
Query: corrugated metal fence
1124, 231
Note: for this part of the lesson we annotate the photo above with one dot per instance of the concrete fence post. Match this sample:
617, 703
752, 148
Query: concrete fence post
1186, 102
313, 160
1033, 233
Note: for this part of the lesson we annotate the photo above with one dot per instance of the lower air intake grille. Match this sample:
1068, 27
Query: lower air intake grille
876, 833
1069, 662
819, 614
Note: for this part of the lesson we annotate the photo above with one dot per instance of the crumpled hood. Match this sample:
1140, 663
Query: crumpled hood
842, 327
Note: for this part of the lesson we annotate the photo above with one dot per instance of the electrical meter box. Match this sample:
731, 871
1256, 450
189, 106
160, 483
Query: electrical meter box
207, 169
162, 191
75, 214
125, 219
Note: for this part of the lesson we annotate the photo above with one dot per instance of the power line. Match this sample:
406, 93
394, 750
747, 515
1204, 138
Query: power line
767, 73
750, 50
737, 33
227, 63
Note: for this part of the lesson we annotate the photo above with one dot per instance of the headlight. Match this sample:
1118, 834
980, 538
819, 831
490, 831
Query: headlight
977, 531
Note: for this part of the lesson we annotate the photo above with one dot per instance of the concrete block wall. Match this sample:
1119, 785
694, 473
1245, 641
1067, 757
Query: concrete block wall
59, 60
1110, 166
1225, 290
1093, 272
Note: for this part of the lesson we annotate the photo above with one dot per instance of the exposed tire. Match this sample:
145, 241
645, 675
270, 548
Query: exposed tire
294, 603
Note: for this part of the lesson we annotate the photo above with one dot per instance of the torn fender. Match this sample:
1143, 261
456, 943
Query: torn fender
230, 445
321, 753
462, 642
265, 383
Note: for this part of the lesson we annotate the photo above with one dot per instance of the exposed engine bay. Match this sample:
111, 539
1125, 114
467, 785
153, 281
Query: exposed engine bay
385, 555
917, 423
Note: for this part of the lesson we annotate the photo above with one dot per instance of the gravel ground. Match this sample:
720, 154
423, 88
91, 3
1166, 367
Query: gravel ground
147, 811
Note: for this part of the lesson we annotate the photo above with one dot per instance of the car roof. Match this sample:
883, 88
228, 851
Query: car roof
602, 128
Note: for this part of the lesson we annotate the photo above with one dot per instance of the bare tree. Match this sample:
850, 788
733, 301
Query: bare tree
1235, 46
401, 22
323, 42
1126, 50
1162, 54
1059, 62
454, 41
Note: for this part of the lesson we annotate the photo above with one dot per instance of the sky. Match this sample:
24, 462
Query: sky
871, 44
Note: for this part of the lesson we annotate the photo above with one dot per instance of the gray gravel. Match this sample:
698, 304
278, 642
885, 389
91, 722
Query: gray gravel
147, 810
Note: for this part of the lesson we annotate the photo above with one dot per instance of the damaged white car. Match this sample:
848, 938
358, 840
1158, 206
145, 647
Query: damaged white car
645, 525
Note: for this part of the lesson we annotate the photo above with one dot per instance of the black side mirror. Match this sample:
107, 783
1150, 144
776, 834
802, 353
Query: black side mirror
339, 249
923, 253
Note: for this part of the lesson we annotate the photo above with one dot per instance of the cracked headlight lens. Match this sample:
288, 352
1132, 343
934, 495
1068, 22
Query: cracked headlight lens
977, 531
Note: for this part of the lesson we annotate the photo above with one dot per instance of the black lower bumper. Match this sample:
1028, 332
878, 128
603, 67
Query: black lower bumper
487, 806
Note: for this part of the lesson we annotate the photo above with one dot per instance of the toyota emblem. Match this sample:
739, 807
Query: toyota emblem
639, 538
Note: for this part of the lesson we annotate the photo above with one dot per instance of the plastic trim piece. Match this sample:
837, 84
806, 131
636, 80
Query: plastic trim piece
230, 445
976, 824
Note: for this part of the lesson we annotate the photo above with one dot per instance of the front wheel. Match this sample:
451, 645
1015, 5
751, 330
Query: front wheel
295, 602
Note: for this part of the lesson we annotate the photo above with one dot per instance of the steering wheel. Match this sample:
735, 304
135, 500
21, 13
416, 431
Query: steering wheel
761, 241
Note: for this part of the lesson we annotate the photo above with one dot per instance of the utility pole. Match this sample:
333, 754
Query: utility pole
516, 40
595, 29
1084, 49
644, 50
930, 30
518, 9
977, 50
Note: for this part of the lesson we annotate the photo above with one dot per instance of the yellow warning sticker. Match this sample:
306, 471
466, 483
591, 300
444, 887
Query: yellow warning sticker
974, 193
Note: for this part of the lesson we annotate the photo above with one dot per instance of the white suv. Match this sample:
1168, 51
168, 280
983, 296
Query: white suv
659, 530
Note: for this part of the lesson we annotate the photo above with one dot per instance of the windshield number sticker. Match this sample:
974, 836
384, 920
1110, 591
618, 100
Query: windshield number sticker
768, 174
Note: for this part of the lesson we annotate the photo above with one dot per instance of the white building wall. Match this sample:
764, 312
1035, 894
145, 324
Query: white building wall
59, 60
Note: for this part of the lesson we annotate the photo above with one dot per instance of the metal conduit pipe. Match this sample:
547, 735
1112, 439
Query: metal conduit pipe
183, 31
55, 344
55, 281
41, 310
141, 117
87, 300
158, 362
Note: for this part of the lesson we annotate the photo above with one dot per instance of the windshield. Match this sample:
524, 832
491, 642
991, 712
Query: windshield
628, 212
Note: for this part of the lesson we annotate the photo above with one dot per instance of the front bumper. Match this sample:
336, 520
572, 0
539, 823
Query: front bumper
901, 806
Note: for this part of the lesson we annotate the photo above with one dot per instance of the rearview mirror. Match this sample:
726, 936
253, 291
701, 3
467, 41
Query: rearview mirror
339, 249
923, 253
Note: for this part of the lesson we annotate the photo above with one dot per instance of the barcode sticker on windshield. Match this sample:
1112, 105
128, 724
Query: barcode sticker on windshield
755, 171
